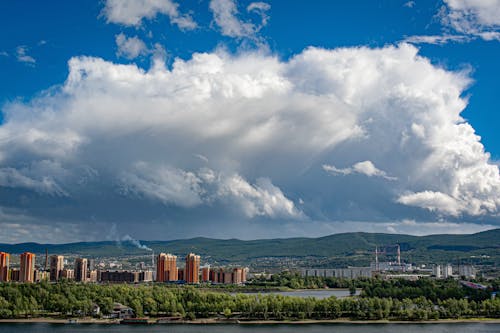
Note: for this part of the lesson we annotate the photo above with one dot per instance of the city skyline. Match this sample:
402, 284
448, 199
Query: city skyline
247, 119
83, 270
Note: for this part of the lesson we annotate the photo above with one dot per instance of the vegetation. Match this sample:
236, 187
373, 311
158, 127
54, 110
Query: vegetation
379, 301
330, 251
430, 288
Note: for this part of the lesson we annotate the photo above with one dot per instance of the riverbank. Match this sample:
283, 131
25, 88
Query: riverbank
209, 321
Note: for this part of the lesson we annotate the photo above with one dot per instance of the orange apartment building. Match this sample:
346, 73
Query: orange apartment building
192, 269
166, 268
27, 271
4, 266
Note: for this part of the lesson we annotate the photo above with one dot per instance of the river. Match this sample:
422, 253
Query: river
281, 328
316, 293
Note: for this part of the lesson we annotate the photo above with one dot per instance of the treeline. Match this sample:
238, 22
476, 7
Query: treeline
70, 299
431, 289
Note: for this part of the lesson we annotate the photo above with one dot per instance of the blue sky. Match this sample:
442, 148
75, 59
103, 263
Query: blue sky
333, 181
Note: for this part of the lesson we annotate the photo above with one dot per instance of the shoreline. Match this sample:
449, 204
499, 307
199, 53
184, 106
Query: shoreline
214, 321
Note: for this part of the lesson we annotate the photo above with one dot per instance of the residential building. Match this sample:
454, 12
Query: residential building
467, 271
41, 275
237, 273
205, 274
27, 270
166, 268
68, 274
56, 267
437, 272
4, 266
447, 271
81, 269
15, 274
192, 269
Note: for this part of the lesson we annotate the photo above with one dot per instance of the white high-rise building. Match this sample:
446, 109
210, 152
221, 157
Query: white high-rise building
466, 270
447, 271
437, 272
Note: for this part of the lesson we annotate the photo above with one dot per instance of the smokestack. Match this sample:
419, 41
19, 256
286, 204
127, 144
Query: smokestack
376, 258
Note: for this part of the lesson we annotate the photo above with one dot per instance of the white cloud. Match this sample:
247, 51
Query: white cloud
225, 14
10, 177
409, 4
434, 201
260, 8
22, 55
473, 17
264, 128
169, 185
261, 199
366, 168
437, 39
132, 12
468, 20
189, 189
130, 47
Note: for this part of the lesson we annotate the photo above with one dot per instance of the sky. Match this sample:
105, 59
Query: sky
167, 119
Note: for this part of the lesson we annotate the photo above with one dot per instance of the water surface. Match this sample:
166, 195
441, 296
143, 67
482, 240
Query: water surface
312, 328
316, 293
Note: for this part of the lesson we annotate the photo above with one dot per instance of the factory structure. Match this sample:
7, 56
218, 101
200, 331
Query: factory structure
394, 268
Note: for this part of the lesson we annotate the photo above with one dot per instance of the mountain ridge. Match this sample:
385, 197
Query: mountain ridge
345, 248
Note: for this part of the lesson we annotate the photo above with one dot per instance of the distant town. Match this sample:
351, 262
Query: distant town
164, 268
56, 268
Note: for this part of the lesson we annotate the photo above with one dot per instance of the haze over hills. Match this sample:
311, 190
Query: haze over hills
337, 249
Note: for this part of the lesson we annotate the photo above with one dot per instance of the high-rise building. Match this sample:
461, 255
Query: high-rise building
192, 269
90, 265
447, 271
81, 269
166, 268
244, 273
56, 267
27, 271
436, 271
4, 266
467, 270
205, 274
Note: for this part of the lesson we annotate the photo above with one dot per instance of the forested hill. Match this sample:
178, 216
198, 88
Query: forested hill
346, 245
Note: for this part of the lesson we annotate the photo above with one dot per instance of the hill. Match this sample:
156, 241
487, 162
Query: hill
339, 249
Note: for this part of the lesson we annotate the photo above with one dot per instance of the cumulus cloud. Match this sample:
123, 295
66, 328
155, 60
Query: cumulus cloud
434, 201
130, 47
261, 199
168, 185
365, 168
225, 14
133, 12
120, 144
